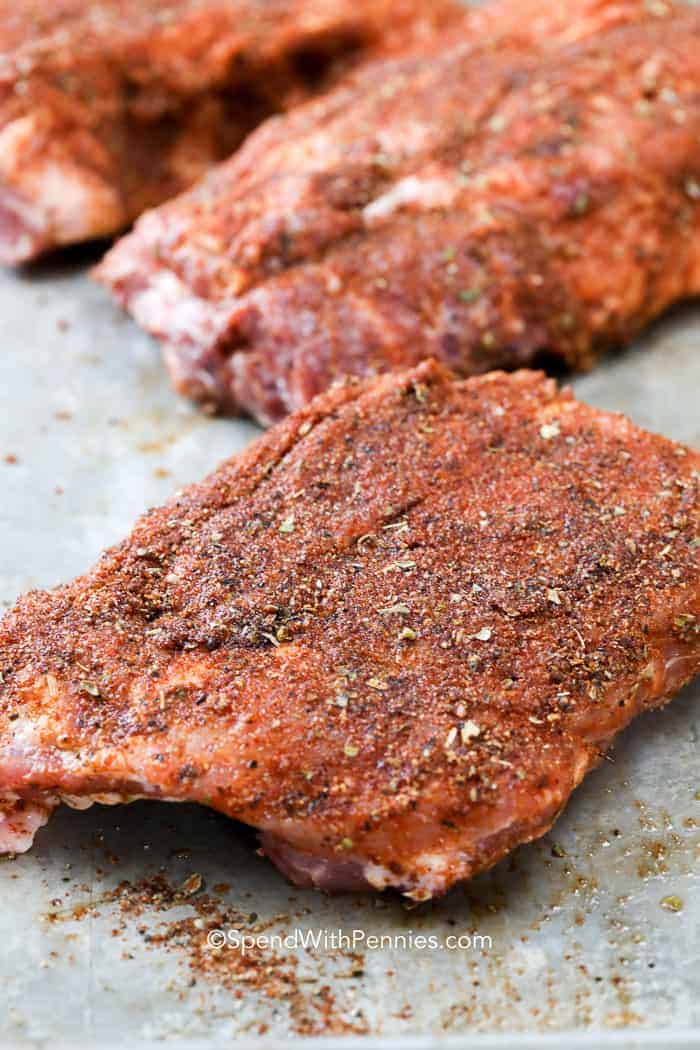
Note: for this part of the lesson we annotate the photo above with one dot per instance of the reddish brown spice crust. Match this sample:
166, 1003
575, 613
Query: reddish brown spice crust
481, 205
108, 108
393, 635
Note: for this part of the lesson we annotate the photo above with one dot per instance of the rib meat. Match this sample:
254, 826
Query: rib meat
110, 107
483, 204
393, 635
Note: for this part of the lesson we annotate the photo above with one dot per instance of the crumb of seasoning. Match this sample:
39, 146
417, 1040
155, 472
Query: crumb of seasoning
10, 458
288, 525
193, 884
672, 903
557, 850
549, 430
407, 634
553, 596
580, 204
484, 635
469, 731
351, 750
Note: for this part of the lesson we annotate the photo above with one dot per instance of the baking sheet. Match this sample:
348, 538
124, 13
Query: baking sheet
580, 941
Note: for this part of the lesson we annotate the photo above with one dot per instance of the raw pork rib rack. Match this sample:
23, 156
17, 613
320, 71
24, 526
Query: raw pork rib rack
393, 636
531, 188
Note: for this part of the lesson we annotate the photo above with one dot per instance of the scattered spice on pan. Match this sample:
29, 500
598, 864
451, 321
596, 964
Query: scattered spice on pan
258, 971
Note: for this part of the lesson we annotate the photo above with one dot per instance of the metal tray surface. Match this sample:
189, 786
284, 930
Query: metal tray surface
577, 939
